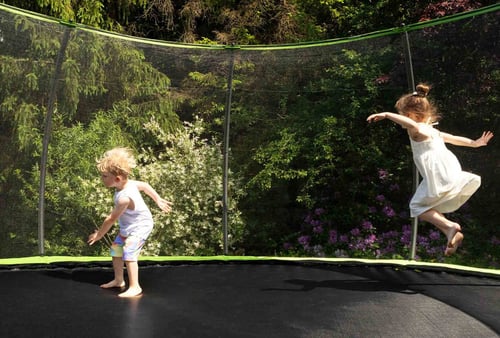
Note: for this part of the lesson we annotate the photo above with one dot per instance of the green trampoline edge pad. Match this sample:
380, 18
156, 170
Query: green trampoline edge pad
395, 263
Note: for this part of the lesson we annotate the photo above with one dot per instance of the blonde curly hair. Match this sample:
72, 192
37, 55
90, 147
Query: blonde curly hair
118, 161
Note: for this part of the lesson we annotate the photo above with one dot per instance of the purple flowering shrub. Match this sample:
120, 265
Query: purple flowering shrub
493, 255
379, 230
376, 224
321, 238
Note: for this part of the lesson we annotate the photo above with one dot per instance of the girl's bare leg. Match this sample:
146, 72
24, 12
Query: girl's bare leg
447, 227
134, 289
118, 282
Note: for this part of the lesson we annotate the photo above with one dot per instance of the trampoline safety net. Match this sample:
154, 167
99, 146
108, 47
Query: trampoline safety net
262, 149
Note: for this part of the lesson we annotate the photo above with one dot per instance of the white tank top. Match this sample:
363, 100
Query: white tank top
137, 222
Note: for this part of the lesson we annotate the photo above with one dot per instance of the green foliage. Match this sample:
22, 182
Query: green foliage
103, 14
246, 22
187, 171
96, 72
91, 14
277, 160
317, 144
70, 183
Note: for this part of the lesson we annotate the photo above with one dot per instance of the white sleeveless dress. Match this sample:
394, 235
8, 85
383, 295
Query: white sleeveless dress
444, 186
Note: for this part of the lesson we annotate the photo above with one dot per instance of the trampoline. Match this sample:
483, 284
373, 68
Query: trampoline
259, 297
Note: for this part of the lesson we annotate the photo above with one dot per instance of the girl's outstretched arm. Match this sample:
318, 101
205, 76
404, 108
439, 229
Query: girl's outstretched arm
415, 130
148, 190
404, 121
467, 142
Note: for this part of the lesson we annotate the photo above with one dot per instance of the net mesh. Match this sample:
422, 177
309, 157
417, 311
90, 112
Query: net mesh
305, 170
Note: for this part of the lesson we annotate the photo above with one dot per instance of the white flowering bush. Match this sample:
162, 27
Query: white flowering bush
188, 172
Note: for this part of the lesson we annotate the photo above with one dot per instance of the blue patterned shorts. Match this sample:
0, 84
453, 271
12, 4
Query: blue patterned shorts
128, 248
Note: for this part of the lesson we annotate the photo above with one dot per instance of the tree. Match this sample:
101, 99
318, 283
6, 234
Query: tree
246, 22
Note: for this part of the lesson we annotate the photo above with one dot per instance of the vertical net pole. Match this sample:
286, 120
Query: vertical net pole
46, 137
227, 121
416, 178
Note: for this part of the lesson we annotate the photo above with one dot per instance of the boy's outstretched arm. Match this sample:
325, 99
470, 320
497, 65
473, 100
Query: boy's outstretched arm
109, 220
148, 190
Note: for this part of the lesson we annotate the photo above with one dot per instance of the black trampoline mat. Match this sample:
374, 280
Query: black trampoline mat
253, 299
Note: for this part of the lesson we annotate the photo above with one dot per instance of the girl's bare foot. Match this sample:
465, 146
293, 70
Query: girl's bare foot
455, 238
451, 232
113, 284
131, 292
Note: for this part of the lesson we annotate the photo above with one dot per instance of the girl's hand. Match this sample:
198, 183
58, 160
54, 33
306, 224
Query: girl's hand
164, 205
484, 139
376, 117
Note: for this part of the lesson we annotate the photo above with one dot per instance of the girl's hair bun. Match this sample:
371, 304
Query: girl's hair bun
418, 102
422, 90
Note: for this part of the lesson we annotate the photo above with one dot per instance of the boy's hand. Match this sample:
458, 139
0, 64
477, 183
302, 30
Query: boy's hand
92, 238
164, 205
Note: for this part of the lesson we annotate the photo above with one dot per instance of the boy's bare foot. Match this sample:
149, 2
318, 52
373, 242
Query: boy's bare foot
131, 292
113, 284
453, 245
